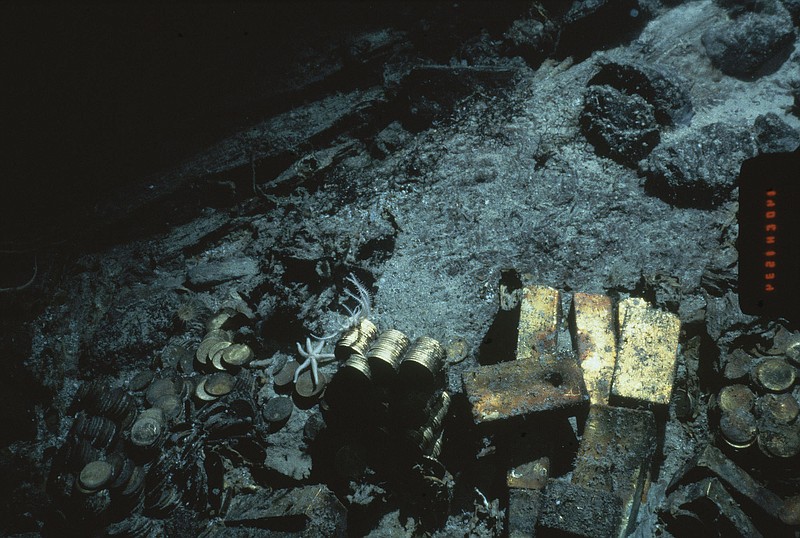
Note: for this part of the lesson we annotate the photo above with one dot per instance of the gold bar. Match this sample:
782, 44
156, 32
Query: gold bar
615, 455
521, 388
539, 315
647, 355
595, 342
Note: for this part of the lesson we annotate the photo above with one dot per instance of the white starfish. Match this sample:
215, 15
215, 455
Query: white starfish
311, 354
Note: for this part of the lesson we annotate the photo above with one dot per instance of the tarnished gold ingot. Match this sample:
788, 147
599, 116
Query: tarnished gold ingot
615, 455
539, 316
595, 342
356, 340
523, 388
647, 355
386, 352
531, 475
423, 361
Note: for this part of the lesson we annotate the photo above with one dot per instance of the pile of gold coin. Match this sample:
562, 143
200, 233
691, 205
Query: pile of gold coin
218, 352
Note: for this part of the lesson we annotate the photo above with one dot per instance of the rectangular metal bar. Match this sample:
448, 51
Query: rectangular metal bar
525, 387
647, 355
539, 318
615, 456
580, 511
594, 339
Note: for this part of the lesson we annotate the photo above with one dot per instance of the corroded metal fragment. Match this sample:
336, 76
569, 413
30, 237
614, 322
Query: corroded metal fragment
592, 323
539, 316
712, 489
580, 511
712, 460
523, 511
615, 455
316, 508
525, 387
530, 475
648, 353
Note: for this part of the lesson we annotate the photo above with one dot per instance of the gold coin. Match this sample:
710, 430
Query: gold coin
219, 319
775, 375
237, 355
221, 334
95, 475
286, 374
205, 345
219, 384
159, 388
735, 397
306, 387
215, 354
200, 392
145, 431
457, 351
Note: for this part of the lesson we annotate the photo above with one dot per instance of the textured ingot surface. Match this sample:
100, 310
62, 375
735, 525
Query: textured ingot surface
539, 316
735, 397
524, 387
615, 455
219, 384
595, 342
648, 353
775, 375
738, 428
356, 340
578, 510
530, 475
523, 512
95, 475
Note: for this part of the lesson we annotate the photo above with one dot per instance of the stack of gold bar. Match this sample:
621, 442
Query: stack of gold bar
618, 379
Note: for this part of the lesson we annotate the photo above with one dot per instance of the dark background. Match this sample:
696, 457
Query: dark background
96, 95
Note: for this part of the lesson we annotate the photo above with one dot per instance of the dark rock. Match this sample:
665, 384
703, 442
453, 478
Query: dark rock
773, 135
431, 92
206, 274
699, 169
618, 125
590, 25
664, 90
531, 39
793, 7
752, 44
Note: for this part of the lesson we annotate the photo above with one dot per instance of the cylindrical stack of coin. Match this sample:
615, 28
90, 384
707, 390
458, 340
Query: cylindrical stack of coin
774, 374
356, 340
147, 434
422, 362
385, 354
737, 422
